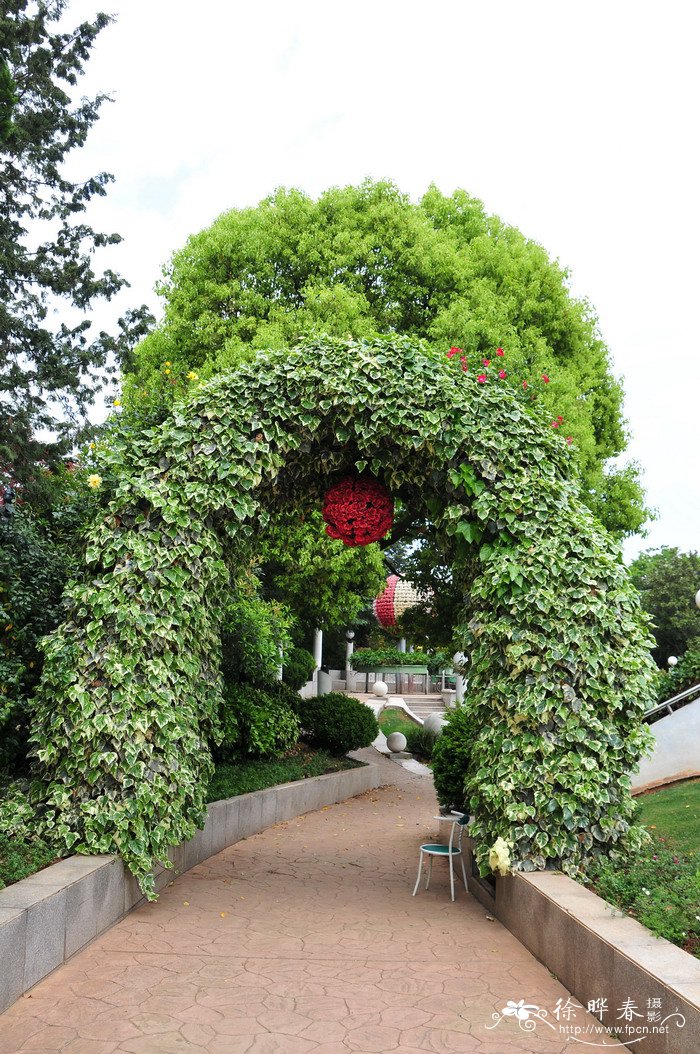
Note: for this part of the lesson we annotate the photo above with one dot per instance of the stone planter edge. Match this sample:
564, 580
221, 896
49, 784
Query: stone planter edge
595, 950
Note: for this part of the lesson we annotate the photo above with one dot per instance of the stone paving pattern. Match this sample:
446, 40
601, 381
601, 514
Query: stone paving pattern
304, 939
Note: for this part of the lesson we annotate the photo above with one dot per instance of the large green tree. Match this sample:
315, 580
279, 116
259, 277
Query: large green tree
48, 372
365, 260
668, 581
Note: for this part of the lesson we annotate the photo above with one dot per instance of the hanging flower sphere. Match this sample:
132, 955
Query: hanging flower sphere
358, 510
396, 598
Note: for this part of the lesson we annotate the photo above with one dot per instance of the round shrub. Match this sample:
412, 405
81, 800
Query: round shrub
257, 722
299, 665
337, 722
451, 758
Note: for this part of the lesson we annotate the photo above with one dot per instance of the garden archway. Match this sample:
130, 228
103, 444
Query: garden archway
558, 644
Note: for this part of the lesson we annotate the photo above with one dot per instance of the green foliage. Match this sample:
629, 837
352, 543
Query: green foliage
257, 721
324, 582
48, 374
337, 722
685, 675
22, 850
657, 885
560, 674
421, 742
246, 776
40, 547
668, 581
362, 261
453, 759
299, 665
253, 631
376, 658
18, 859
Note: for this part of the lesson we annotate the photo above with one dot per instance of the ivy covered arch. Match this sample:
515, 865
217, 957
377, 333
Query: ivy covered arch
559, 666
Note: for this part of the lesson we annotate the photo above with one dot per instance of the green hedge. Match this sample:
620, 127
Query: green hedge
452, 759
257, 722
337, 722
299, 664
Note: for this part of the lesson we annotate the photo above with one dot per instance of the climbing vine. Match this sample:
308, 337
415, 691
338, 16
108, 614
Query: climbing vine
559, 667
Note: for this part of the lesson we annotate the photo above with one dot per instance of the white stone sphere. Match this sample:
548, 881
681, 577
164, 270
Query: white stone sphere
380, 689
434, 723
697, 598
396, 742
672, 660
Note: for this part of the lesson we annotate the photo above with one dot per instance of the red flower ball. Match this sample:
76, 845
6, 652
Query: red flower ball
500, 351
481, 378
502, 374
358, 510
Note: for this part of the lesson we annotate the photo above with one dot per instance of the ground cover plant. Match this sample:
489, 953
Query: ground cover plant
660, 884
558, 644
674, 813
20, 857
255, 774
391, 720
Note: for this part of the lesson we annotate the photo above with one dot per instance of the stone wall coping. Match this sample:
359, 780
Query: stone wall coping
595, 949
675, 968
47, 917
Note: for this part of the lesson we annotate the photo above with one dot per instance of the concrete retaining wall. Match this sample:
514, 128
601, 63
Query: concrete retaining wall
676, 750
599, 953
47, 917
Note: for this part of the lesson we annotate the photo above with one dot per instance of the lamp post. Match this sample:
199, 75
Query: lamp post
349, 647
697, 598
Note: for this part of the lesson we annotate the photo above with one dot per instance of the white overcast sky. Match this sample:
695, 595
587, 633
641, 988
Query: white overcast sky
574, 121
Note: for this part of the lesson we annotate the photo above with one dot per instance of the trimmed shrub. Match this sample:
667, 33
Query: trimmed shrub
421, 741
299, 664
337, 722
452, 758
257, 722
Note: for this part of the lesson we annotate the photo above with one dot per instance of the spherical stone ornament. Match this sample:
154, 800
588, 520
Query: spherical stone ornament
380, 689
358, 510
697, 598
672, 660
396, 742
434, 723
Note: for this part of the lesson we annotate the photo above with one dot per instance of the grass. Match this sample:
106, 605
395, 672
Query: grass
396, 721
20, 858
242, 777
660, 885
674, 812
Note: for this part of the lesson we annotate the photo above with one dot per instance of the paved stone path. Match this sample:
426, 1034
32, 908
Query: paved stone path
304, 938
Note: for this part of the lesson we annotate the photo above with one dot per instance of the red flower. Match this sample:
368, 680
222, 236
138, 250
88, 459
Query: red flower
555, 424
560, 420
486, 362
502, 374
453, 351
464, 365
500, 351
524, 385
358, 510
545, 378
481, 378
569, 440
